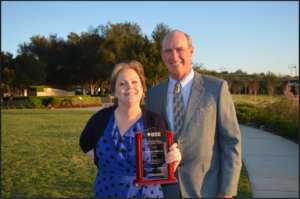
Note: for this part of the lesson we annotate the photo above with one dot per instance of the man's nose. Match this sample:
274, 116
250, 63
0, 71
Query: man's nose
174, 55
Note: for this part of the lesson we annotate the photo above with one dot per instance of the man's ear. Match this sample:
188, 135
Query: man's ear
191, 51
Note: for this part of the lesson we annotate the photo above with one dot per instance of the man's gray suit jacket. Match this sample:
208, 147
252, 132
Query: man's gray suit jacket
209, 140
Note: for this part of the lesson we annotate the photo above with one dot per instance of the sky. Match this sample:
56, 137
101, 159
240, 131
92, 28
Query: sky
254, 36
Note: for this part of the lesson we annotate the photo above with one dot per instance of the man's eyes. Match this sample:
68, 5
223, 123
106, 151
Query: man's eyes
178, 50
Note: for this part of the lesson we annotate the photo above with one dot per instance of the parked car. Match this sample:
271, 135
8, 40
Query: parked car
78, 91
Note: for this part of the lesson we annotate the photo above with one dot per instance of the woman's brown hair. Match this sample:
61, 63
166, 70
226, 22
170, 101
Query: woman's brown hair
134, 65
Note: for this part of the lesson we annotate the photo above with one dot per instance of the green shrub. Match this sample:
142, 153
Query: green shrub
283, 126
41, 88
262, 91
284, 108
281, 117
98, 100
86, 100
259, 119
104, 95
16, 98
66, 101
54, 101
30, 106
237, 105
245, 114
35, 102
45, 100
22, 107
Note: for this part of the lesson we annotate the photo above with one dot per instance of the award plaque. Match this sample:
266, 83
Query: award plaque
150, 157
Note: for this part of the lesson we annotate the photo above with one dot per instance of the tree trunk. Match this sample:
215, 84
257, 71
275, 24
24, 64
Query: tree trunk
255, 97
11, 97
97, 91
83, 89
92, 87
102, 88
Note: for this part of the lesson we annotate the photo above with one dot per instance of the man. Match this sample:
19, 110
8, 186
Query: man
205, 125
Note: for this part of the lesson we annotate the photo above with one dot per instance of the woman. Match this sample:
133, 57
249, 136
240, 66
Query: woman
109, 136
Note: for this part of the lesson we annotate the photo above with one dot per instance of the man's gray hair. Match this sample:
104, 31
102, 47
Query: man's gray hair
189, 40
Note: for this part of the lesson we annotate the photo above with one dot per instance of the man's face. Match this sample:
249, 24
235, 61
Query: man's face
177, 56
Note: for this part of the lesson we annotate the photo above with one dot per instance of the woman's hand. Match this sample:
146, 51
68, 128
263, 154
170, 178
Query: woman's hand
173, 155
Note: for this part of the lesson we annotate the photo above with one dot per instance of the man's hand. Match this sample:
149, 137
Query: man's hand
224, 196
173, 155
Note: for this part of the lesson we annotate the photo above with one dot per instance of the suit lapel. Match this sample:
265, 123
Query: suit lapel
196, 94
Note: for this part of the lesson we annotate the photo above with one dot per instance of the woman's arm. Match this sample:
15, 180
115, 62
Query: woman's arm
91, 154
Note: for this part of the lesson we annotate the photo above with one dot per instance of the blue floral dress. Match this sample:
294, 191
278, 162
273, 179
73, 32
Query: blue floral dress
117, 164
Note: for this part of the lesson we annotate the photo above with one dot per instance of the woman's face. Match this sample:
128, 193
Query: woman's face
128, 87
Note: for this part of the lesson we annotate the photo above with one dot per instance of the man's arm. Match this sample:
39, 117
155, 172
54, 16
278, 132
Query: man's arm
229, 142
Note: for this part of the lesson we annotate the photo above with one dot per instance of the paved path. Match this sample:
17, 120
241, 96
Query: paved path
272, 164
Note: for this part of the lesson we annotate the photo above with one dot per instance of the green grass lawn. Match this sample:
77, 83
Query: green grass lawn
244, 190
251, 98
41, 156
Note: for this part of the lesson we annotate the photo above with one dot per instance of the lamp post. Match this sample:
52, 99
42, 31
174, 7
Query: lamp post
222, 69
295, 69
290, 66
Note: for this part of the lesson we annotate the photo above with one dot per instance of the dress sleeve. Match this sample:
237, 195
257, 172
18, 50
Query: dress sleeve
86, 141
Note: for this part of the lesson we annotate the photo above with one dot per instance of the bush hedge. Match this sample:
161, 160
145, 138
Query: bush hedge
41, 88
38, 101
281, 117
63, 96
35, 102
92, 100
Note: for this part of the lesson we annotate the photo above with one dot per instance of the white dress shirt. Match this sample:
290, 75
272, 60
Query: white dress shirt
185, 88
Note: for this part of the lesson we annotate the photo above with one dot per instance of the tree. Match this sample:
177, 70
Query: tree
25, 70
6, 74
246, 84
155, 69
234, 86
255, 88
240, 73
251, 86
123, 42
239, 85
272, 83
230, 81
48, 50
199, 68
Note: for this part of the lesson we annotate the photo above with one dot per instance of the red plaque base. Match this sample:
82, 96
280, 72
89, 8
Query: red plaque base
168, 181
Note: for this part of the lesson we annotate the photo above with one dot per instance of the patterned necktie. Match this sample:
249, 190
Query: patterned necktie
178, 110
